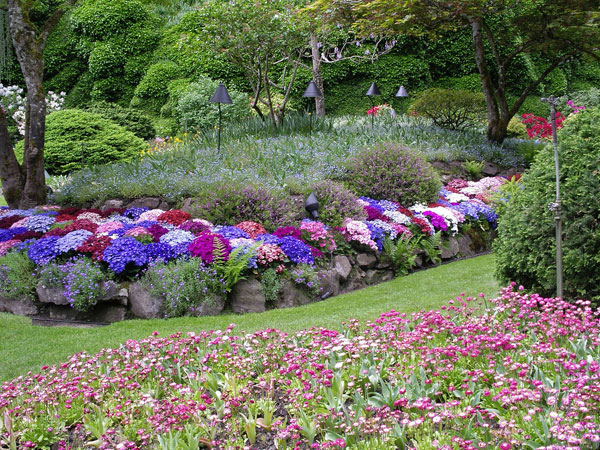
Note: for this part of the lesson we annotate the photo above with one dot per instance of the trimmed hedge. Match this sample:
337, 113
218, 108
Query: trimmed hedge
103, 141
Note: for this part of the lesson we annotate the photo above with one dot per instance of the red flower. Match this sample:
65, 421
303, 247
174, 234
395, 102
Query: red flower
174, 217
96, 246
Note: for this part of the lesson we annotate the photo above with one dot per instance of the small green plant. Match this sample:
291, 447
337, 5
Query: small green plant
306, 275
17, 273
81, 280
185, 284
232, 270
272, 285
400, 254
430, 245
452, 109
474, 169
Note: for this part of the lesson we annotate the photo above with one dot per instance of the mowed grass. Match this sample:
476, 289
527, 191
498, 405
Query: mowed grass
2, 201
24, 347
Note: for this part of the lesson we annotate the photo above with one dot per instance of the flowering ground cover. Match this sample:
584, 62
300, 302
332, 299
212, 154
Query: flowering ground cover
519, 371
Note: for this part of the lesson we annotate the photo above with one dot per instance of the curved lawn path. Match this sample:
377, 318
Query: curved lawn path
24, 347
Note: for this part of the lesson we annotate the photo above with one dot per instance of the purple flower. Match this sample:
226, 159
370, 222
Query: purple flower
436, 220
268, 238
176, 237
230, 232
134, 213
159, 252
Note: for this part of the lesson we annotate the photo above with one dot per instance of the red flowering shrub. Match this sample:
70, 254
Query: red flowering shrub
539, 126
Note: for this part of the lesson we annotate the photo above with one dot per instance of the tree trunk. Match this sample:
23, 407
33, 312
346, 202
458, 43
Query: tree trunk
10, 171
317, 75
29, 47
496, 127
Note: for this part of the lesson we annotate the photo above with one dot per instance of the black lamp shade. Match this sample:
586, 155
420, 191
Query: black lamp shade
373, 90
402, 92
312, 205
312, 91
221, 95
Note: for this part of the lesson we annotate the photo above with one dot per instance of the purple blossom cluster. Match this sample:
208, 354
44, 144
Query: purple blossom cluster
123, 251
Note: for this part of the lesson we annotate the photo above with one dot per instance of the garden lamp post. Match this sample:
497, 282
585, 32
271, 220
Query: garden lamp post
402, 93
312, 205
312, 91
220, 96
373, 91
556, 205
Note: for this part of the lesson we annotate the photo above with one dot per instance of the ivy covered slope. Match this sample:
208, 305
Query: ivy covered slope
525, 246
524, 373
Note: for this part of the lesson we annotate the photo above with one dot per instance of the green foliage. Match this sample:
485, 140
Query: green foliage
590, 98
17, 272
116, 39
272, 284
336, 203
430, 246
230, 204
400, 254
232, 269
103, 141
533, 104
471, 83
185, 284
152, 89
131, 119
516, 129
525, 248
392, 172
452, 109
474, 169
194, 109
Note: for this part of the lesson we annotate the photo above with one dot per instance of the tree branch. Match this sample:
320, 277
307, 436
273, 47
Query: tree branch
53, 20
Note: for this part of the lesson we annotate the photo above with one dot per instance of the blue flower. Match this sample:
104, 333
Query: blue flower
296, 250
377, 234
134, 213
43, 250
268, 238
122, 251
230, 232
6, 235
158, 251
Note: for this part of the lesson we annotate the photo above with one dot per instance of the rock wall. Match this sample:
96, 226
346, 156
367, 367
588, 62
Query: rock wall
345, 273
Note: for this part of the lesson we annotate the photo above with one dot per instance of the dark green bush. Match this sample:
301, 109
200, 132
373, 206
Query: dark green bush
230, 204
152, 90
131, 119
391, 172
525, 245
336, 203
451, 109
17, 272
103, 141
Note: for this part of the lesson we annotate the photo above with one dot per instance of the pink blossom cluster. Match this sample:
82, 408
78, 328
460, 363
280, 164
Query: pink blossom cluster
508, 373
355, 230
319, 234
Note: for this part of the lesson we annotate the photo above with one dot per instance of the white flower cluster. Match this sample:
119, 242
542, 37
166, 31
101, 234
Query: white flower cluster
13, 103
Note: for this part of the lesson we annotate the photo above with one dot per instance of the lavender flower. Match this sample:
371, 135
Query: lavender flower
71, 241
230, 232
40, 223
176, 237
134, 213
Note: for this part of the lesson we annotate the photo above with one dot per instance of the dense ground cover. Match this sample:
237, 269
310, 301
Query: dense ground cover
522, 374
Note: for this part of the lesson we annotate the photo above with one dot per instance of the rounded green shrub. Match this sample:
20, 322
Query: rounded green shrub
336, 203
100, 19
525, 247
75, 138
131, 119
193, 106
516, 129
230, 204
451, 109
153, 86
391, 172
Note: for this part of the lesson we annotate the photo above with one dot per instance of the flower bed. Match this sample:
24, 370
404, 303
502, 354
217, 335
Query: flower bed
73, 250
523, 373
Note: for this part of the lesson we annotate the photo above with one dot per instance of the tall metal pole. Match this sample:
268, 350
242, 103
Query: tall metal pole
372, 113
556, 206
309, 124
219, 131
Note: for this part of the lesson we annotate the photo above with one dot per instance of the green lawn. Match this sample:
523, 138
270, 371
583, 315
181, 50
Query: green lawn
24, 347
2, 201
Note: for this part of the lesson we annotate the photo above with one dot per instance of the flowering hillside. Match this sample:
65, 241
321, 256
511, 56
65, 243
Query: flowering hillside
522, 374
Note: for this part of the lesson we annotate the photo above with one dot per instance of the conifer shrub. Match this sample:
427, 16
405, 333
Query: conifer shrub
525, 247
